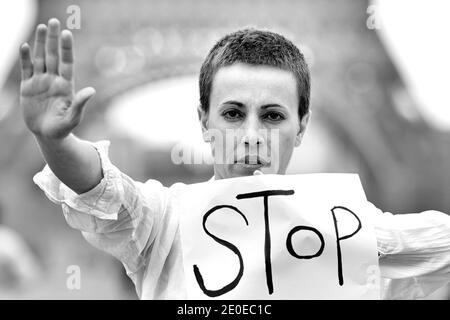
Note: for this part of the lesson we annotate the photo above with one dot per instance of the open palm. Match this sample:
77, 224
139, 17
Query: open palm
50, 106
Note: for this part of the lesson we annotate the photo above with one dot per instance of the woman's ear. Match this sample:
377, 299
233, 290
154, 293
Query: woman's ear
303, 124
203, 118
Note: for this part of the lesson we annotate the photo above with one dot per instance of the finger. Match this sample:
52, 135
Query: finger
25, 61
66, 67
52, 47
39, 49
257, 173
81, 97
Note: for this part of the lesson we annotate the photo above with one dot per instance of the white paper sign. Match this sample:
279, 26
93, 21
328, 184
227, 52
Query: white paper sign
278, 237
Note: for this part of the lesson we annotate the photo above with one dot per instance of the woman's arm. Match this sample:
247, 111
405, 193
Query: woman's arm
114, 213
415, 252
120, 216
51, 108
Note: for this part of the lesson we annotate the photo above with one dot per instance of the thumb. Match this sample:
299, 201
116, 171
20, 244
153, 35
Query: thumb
80, 99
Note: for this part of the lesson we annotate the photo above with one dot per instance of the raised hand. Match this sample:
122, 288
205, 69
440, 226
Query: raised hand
50, 106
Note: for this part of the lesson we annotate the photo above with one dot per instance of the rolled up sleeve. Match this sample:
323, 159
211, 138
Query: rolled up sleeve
414, 252
119, 215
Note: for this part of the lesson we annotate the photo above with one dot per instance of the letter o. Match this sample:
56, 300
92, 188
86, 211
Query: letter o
291, 249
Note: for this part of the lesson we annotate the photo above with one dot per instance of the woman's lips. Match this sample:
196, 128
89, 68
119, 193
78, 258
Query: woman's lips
250, 166
249, 162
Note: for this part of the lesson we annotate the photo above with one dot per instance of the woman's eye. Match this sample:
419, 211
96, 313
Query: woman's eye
274, 116
232, 114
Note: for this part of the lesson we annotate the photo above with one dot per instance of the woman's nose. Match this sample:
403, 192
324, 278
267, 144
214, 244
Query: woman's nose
252, 138
253, 134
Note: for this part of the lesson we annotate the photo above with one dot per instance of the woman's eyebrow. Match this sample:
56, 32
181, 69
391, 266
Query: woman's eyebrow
236, 103
241, 105
270, 105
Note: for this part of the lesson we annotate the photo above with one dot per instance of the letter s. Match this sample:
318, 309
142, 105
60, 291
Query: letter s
234, 283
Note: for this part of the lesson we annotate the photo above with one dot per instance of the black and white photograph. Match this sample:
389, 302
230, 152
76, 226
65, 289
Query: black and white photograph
211, 150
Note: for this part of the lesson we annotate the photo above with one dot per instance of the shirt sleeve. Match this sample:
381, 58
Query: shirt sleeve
119, 215
414, 252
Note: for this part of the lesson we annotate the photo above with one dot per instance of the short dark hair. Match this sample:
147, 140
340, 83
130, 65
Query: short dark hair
256, 47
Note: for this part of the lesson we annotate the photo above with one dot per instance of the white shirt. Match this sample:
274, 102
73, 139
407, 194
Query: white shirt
136, 223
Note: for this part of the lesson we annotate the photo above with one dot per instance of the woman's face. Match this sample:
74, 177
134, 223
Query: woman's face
252, 122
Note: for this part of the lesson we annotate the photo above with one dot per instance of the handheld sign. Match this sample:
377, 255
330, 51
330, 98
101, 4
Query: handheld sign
278, 237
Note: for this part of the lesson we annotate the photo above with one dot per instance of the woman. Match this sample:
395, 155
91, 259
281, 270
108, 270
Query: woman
251, 83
